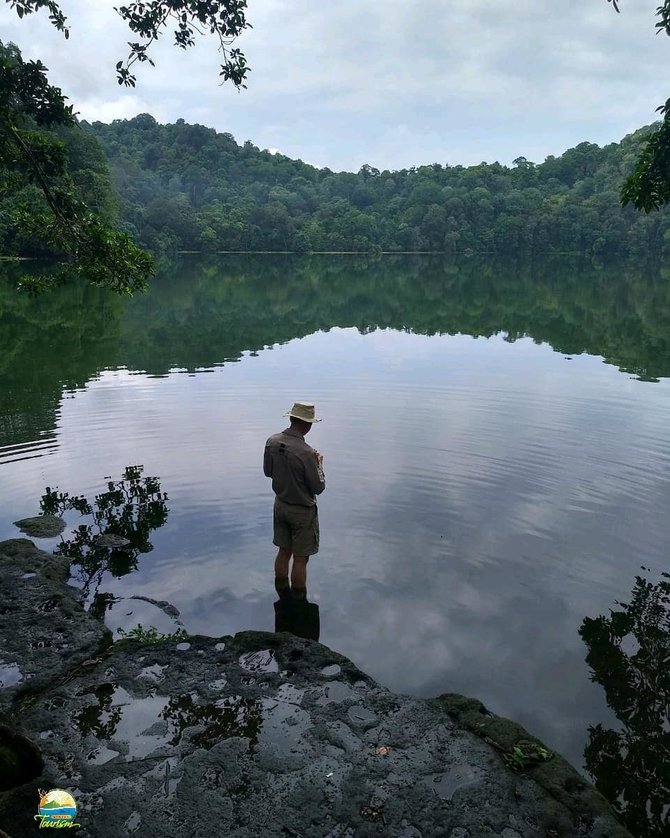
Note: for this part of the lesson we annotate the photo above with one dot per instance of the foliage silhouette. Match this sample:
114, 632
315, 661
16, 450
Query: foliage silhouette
647, 187
228, 717
130, 509
41, 200
148, 19
32, 156
629, 656
103, 718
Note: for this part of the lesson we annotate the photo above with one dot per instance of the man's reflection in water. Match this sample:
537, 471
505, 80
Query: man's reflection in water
294, 613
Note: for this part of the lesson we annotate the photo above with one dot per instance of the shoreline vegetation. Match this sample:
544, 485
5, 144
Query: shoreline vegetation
467, 254
179, 188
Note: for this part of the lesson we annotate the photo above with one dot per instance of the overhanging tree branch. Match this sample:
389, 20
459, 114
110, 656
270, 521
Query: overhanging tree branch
97, 253
225, 19
648, 186
100, 255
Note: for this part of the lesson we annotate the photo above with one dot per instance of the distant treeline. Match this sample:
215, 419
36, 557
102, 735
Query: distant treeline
187, 187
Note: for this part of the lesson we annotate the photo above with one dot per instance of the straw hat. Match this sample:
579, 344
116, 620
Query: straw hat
304, 411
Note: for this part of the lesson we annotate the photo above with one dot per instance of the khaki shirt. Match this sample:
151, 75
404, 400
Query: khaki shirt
293, 467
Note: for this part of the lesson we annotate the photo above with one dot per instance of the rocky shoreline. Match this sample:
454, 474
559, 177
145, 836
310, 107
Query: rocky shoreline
253, 735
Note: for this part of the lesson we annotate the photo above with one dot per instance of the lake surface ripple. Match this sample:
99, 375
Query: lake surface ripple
497, 453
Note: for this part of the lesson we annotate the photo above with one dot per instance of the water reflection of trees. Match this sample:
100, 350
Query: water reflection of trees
50, 344
206, 311
629, 656
123, 518
230, 716
207, 723
103, 718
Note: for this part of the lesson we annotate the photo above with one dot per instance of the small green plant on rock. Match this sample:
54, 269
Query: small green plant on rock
151, 635
526, 753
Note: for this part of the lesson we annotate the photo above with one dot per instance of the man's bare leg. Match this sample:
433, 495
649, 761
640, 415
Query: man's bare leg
281, 563
299, 572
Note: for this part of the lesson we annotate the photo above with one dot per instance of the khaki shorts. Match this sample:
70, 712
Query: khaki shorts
296, 528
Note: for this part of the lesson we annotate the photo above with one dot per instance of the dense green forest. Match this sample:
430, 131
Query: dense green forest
187, 187
91, 178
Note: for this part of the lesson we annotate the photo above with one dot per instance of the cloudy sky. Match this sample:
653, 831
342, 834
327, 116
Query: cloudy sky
391, 83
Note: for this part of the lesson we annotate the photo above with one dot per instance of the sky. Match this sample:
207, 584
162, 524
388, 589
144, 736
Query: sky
392, 84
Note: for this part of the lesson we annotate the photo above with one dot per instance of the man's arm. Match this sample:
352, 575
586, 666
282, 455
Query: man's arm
267, 462
315, 479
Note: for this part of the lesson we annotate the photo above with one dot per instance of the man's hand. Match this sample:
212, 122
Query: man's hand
319, 459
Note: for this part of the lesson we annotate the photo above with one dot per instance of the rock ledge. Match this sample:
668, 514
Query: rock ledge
259, 734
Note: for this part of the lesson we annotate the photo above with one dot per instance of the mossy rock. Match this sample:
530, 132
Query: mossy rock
41, 526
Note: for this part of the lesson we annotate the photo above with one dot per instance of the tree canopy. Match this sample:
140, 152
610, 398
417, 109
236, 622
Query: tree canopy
35, 147
31, 108
189, 187
648, 186
32, 155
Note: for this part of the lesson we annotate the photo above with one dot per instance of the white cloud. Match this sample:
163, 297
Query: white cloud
125, 107
393, 84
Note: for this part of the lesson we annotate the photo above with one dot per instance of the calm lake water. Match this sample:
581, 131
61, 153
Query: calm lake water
496, 443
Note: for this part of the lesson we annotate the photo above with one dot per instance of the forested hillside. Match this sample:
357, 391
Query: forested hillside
187, 187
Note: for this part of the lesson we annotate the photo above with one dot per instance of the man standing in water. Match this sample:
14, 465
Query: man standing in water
297, 476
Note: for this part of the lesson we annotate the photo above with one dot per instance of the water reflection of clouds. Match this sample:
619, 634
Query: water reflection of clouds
470, 632
471, 451
482, 498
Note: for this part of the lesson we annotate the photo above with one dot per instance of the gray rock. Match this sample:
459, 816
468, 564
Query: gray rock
44, 630
111, 541
232, 736
41, 526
